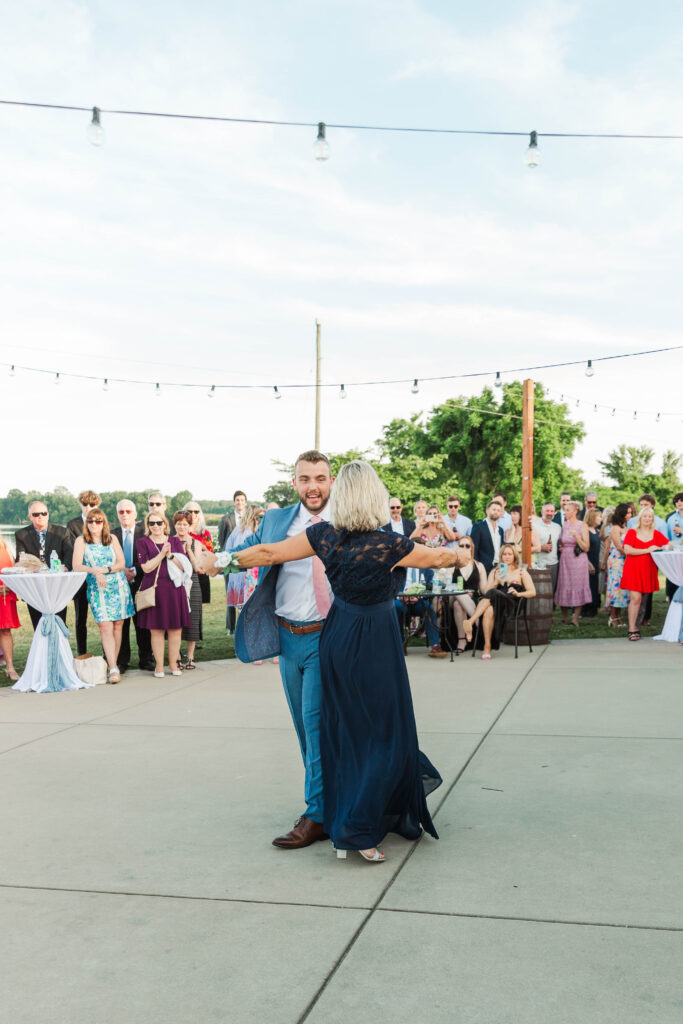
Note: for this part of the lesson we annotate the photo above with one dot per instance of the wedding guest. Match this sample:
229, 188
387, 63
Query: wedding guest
419, 509
640, 572
87, 500
40, 539
607, 514
170, 611
240, 585
593, 521
128, 532
431, 530
505, 585
398, 523
548, 533
9, 619
231, 519
474, 579
505, 521
200, 533
409, 607
99, 555
156, 502
573, 588
646, 501
488, 536
559, 516
195, 550
590, 502
459, 524
514, 534
674, 530
617, 598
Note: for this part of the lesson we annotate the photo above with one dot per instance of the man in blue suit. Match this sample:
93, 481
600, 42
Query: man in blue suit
487, 536
284, 616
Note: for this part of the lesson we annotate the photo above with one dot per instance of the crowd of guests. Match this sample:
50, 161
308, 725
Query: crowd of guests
592, 553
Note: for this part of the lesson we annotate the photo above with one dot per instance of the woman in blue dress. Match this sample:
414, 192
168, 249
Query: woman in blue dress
375, 778
99, 554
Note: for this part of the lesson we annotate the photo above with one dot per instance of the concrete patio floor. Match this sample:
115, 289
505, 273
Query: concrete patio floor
138, 882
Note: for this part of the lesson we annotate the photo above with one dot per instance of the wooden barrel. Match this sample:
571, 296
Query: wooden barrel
539, 612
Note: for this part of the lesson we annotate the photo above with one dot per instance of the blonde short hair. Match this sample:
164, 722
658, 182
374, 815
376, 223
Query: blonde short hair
358, 499
515, 554
167, 528
647, 508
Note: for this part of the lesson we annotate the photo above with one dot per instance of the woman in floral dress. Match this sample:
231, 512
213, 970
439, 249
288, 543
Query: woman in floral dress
99, 554
617, 598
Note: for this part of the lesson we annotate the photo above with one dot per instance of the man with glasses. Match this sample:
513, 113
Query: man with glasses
40, 539
459, 524
128, 532
398, 522
590, 501
88, 500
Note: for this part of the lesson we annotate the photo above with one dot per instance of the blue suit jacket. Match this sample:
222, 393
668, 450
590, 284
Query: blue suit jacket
257, 634
483, 544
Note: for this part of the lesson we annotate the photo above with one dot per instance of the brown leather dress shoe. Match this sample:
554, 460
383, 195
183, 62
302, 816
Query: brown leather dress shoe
304, 832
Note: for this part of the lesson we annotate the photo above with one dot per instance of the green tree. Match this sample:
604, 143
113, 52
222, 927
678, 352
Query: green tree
627, 466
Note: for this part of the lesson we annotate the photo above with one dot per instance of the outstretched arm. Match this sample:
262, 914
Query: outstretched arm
290, 550
430, 558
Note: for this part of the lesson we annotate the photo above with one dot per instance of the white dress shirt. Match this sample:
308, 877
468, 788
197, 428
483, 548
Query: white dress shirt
294, 595
547, 532
397, 527
495, 537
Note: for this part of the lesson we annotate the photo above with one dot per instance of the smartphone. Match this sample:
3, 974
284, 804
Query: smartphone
503, 570
431, 518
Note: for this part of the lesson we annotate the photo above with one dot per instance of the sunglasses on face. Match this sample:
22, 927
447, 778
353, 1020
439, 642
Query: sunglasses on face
36, 515
191, 512
395, 508
98, 521
453, 506
155, 504
467, 547
155, 522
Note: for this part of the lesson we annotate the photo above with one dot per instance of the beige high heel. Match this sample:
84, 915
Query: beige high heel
376, 858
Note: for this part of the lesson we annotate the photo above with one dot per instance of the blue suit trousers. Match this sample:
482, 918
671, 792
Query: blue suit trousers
300, 671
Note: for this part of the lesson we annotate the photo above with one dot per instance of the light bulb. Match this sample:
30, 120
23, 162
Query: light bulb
276, 393
415, 388
533, 154
498, 383
57, 380
595, 408
343, 392
211, 393
578, 403
95, 131
659, 416
635, 415
105, 386
11, 370
589, 369
613, 412
157, 391
321, 147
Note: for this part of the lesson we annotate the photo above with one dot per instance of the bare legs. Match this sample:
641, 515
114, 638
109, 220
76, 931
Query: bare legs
7, 648
634, 607
174, 636
575, 617
462, 606
484, 610
110, 634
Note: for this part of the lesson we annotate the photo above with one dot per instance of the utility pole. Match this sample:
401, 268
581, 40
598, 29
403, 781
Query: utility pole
527, 468
317, 386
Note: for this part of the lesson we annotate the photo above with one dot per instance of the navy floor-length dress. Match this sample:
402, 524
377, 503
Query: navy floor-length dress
375, 779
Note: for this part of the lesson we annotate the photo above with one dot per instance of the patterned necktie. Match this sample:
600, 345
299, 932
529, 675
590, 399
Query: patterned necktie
41, 540
128, 549
322, 595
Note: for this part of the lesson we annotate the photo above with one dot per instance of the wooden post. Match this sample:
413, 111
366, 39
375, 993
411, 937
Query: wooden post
317, 386
527, 468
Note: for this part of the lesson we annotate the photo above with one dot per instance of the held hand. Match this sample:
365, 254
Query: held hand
130, 574
166, 549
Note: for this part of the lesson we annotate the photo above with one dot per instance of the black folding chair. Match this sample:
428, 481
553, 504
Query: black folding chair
520, 612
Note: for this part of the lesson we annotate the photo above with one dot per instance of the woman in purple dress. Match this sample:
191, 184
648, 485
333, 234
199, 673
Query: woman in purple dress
573, 586
171, 610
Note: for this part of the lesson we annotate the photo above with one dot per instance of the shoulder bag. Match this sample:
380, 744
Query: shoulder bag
147, 598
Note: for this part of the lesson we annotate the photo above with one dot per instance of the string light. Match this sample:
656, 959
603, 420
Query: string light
12, 371
211, 392
321, 147
578, 403
659, 416
589, 369
635, 414
533, 155
613, 412
105, 386
95, 130
595, 408
57, 379
277, 394
157, 391
343, 393
415, 388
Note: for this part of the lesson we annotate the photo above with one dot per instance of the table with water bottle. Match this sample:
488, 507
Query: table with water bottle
444, 586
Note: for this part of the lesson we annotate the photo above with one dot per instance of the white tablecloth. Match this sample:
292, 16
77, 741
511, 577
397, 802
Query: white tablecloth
671, 564
49, 593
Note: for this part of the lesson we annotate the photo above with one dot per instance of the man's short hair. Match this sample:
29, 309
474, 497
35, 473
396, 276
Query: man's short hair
453, 497
493, 502
568, 493
36, 501
237, 494
126, 501
547, 503
591, 494
648, 497
499, 494
156, 494
677, 497
313, 455
89, 498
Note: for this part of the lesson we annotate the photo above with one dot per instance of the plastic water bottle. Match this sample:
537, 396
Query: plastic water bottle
55, 564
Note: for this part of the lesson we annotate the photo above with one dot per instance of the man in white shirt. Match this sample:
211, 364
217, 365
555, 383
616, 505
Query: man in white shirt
128, 532
549, 533
560, 516
505, 521
397, 521
284, 616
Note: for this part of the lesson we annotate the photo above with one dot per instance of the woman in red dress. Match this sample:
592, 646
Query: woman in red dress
9, 619
640, 572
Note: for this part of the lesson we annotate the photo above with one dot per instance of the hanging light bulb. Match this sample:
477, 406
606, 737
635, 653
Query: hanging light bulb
533, 155
211, 393
157, 391
105, 386
415, 388
498, 383
321, 147
589, 369
95, 131
57, 379
343, 393
635, 414
277, 394
659, 416
11, 370
613, 412
562, 397
578, 403
595, 408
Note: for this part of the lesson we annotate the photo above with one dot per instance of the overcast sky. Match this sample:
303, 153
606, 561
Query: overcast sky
204, 252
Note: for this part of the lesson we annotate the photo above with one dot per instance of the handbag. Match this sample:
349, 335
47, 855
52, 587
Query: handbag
147, 598
91, 668
578, 550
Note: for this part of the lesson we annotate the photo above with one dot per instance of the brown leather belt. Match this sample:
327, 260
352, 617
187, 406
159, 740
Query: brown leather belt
309, 627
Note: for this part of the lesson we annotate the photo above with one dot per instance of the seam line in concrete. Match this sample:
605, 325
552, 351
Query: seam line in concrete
533, 920
356, 935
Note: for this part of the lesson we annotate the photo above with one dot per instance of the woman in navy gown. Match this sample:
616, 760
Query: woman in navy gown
375, 779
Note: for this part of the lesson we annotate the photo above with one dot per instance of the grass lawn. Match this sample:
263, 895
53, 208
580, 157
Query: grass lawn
217, 644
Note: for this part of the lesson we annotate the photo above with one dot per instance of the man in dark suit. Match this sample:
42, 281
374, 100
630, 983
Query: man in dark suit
128, 533
227, 524
88, 500
41, 539
560, 514
487, 536
397, 522
590, 501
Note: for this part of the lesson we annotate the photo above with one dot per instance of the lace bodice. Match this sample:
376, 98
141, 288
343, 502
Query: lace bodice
359, 565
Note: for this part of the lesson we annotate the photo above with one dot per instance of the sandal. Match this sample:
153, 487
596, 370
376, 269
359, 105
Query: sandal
189, 665
635, 635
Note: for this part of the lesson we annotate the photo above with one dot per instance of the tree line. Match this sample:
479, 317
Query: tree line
63, 505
